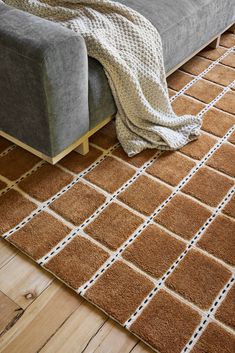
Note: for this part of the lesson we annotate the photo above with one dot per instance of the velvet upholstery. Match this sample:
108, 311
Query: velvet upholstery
52, 93
185, 25
44, 82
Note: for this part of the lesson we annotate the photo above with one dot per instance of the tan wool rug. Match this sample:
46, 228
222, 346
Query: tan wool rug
150, 240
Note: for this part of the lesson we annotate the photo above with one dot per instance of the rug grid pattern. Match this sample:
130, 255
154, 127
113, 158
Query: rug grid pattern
149, 240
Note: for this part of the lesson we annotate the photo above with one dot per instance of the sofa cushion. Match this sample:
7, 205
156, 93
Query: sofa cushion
184, 26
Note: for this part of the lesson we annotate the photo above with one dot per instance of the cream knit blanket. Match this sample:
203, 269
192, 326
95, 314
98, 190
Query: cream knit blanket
129, 48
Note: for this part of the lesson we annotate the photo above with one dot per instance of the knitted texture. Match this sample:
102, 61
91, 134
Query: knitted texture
129, 48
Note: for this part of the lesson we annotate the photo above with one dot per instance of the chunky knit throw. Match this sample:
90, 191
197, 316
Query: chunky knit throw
129, 48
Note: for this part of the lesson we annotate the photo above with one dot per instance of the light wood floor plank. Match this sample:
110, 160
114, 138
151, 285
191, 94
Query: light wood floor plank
40, 321
7, 251
111, 338
9, 312
77, 331
22, 280
142, 348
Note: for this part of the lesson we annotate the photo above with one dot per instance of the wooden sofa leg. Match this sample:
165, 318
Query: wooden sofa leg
215, 43
83, 148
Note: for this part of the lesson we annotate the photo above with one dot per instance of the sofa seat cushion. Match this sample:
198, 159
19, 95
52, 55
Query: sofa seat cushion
184, 25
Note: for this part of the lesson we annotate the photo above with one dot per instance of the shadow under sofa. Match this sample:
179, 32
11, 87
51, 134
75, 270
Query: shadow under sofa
53, 96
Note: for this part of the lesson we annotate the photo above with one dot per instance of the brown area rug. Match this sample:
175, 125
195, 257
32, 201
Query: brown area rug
150, 240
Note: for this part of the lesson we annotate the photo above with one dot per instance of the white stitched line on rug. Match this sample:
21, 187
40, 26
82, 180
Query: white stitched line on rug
45, 204
209, 105
210, 313
194, 240
81, 290
116, 255
69, 237
202, 74
112, 197
109, 199
11, 184
7, 150
143, 217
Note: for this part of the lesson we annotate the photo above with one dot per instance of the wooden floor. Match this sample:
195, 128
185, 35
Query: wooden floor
39, 314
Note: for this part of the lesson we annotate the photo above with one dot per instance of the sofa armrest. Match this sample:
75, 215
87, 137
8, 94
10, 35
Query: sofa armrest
43, 82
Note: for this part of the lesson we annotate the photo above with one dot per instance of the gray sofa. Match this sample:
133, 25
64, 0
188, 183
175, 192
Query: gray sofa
52, 94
